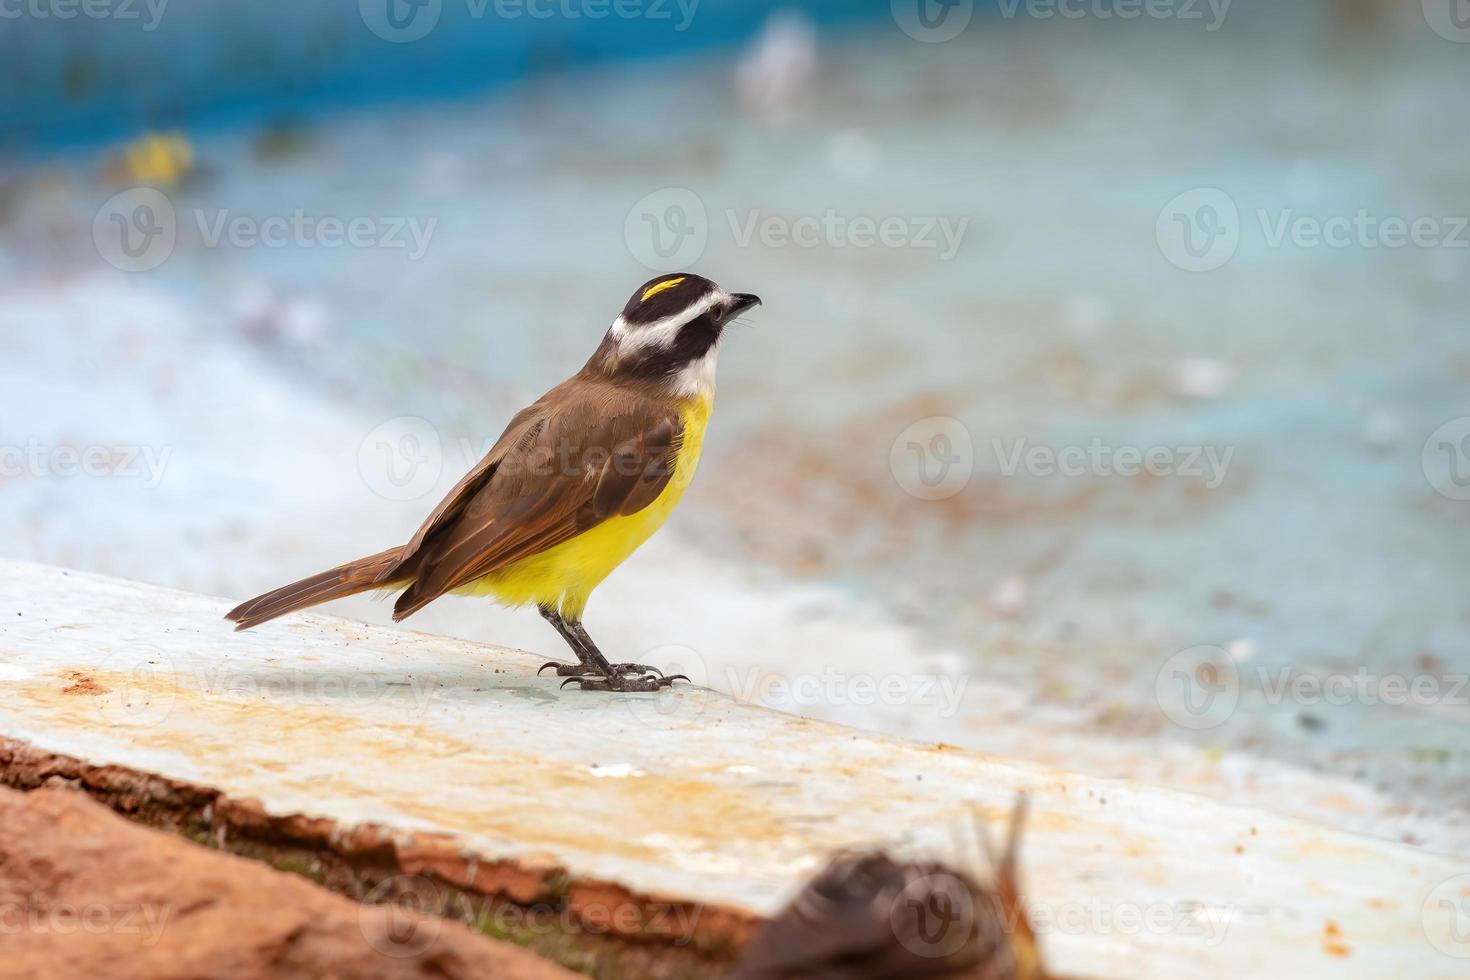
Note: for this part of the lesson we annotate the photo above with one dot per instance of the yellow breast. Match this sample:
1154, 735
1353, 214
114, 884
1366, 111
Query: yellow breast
565, 575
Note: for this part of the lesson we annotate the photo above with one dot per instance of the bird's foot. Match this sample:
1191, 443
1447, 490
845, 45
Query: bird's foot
583, 670
625, 677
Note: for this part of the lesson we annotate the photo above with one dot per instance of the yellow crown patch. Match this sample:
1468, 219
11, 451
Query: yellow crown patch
659, 287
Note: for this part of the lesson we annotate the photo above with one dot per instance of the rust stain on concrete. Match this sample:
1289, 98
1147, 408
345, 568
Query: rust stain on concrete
80, 683
507, 784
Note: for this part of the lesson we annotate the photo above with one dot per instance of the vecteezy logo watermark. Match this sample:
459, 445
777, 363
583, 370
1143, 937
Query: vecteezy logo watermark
939, 695
138, 229
1211, 12
1445, 916
682, 707
932, 21
1446, 459
1198, 688
1200, 230
246, 685
939, 913
399, 917
933, 459
669, 230
400, 21
401, 459
934, 915
403, 916
136, 687
1099, 916
403, 21
135, 230
302, 230
1201, 687
150, 12
1450, 19
40, 460
1208, 464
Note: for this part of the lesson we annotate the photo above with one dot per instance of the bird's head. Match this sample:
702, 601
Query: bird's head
669, 331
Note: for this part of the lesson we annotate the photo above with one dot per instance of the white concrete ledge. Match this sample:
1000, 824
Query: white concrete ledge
688, 794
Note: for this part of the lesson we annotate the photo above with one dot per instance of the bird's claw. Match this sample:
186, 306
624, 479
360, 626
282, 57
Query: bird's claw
624, 681
582, 670
563, 670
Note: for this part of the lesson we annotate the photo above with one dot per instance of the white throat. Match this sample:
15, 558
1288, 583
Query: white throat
697, 378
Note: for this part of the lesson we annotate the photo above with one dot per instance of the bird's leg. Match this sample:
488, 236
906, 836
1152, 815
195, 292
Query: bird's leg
589, 661
575, 625
617, 677
594, 672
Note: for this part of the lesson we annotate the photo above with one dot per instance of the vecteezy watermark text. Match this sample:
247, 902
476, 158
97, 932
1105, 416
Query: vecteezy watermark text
302, 230
934, 458
403, 916
1208, 464
937, 914
138, 229
831, 229
936, 21
1210, 12
1201, 229
42, 915
1201, 687
149, 12
1099, 916
832, 687
137, 687
42, 460
405, 21
670, 228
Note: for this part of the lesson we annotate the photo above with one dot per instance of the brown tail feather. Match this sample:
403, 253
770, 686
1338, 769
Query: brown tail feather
344, 580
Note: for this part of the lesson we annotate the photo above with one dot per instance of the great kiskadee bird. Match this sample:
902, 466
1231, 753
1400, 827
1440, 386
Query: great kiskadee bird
574, 485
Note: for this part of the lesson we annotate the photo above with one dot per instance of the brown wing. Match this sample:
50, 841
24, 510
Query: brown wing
522, 429
583, 454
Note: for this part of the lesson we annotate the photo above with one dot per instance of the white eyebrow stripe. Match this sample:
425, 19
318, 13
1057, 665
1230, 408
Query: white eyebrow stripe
661, 333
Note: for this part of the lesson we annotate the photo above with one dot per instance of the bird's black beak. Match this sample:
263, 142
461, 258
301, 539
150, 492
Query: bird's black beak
739, 303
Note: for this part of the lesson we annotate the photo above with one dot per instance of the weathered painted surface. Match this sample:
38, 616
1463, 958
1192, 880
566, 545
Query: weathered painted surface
685, 794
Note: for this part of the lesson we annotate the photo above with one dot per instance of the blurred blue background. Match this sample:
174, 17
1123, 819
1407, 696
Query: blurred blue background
132, 64
1111, 394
